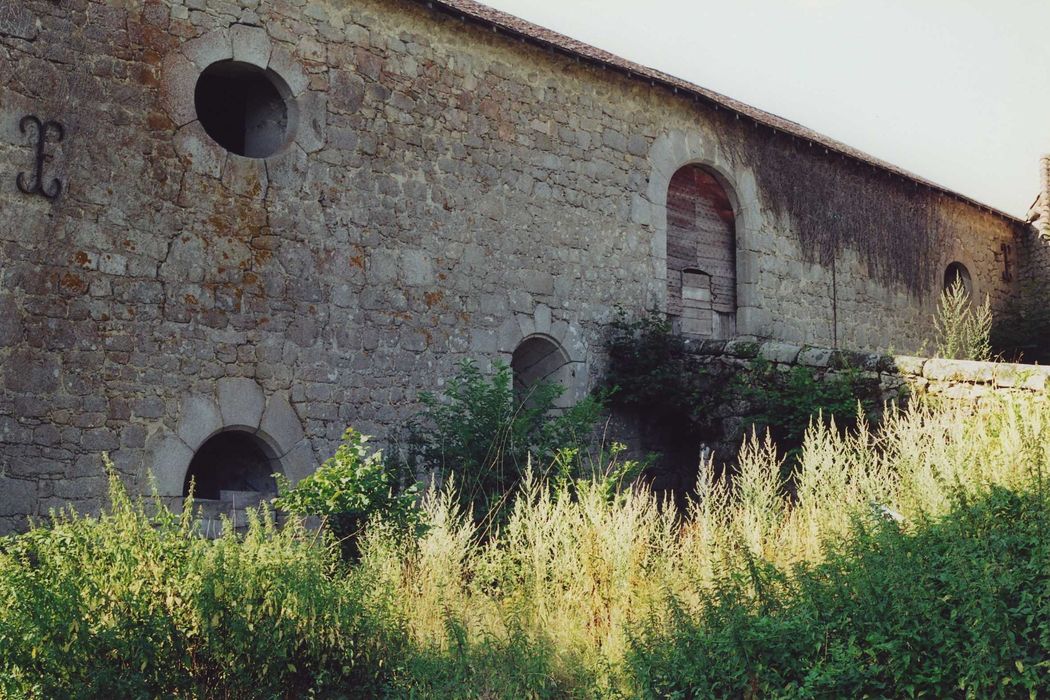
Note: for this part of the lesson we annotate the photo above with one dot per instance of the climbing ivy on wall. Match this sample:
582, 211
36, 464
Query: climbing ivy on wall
654, 375
893, 224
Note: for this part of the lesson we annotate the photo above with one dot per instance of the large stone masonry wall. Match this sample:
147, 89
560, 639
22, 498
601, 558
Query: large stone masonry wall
1035, 268
1033, 310
445, 193
1027, 323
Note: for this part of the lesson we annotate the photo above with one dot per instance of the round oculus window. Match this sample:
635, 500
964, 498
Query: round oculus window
244, 108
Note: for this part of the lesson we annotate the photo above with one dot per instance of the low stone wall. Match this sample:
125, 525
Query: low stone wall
891, 378
897, 375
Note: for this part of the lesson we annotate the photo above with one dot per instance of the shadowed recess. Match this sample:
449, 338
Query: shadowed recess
241, 106
231, 461
539, 360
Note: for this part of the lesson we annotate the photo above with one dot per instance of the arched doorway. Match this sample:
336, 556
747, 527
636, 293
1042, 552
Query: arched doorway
701, 255
539, 359
234, 466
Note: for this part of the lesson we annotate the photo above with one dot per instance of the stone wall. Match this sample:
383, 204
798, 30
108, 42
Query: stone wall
897, 376
1031, 318
1026, 322
443, 193
1035, 267
886, 378
894, 378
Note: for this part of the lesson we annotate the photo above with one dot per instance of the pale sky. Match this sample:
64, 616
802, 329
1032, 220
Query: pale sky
957, 91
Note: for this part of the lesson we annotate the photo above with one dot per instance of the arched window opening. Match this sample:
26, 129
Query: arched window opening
701, 255
538, 360
244, 108
230, 464
957, 272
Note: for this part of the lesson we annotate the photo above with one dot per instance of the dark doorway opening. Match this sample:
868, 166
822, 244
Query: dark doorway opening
234, 461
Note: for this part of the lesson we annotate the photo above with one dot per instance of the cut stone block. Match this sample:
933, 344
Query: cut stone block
199, 419
241, 402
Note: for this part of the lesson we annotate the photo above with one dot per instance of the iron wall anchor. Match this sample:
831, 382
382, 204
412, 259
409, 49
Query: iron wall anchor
42, 128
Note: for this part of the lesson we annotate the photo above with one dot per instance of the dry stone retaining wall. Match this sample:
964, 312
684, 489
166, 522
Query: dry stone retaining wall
897, 377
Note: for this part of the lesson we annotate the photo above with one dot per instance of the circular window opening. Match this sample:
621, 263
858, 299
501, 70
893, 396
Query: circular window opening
956, 273
243, 107
231, 463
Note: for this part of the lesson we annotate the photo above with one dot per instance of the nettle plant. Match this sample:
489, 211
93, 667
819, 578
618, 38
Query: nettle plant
483, 438
352, 487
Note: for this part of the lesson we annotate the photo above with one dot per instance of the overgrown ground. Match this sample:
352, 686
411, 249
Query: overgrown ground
912, 562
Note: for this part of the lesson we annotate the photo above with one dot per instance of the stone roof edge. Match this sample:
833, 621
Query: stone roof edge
503, 22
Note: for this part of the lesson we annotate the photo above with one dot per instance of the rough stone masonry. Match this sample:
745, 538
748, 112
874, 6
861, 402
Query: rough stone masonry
277, 218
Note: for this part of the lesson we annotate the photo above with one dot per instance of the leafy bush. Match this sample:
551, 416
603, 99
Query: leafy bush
650, 371
963, 330
676, 401
785, 403
654, 375
134, 605
959, 608
348, 489
483, 437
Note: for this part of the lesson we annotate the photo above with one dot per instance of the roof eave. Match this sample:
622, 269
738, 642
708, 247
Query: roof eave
499, 21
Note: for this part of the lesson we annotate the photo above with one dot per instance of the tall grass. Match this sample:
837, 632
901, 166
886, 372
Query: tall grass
561, 600
574, 572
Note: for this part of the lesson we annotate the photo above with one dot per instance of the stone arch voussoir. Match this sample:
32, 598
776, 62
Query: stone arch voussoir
180, 69
542, 323
237, 403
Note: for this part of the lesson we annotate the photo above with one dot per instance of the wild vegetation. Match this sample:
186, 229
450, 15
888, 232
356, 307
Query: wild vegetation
679, 401
910, 561
963, 329
482, 437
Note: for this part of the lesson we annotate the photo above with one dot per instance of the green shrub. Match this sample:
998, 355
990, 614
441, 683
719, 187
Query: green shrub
676, 402
482, 437
651, 372
654, 375
960, 608
348, 489
138, 605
